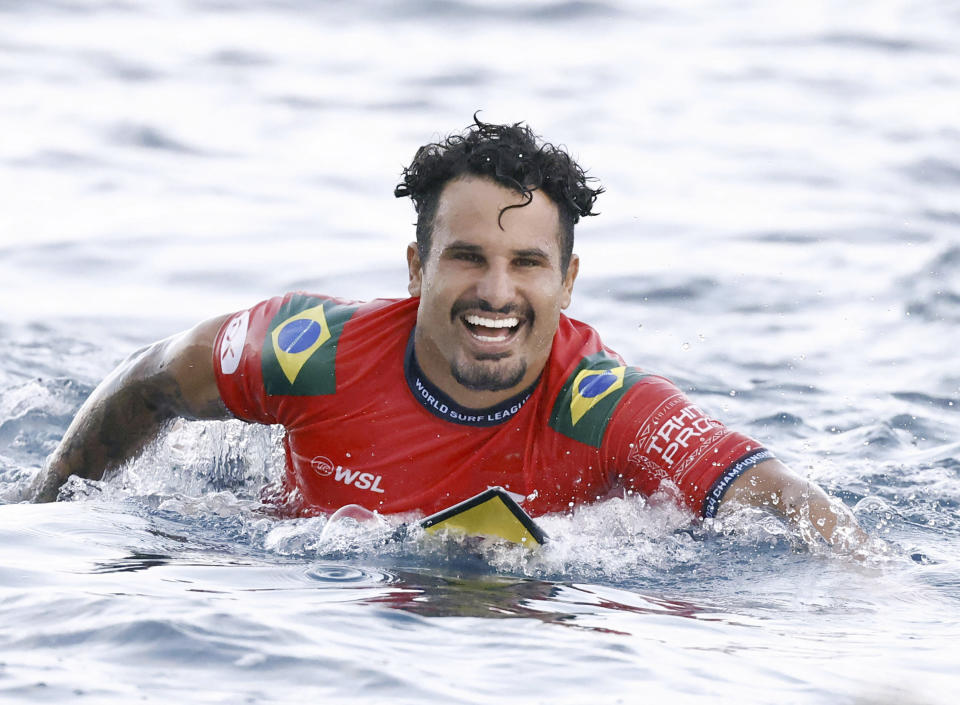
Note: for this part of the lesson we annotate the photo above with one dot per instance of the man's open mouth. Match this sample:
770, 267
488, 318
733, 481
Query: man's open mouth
491, 330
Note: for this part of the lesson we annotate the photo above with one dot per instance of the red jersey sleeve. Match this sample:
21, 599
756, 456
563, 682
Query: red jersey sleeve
658, 435
237, 362
271, 357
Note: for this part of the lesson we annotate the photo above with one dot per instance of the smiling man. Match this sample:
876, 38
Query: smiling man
492, 283
476, 380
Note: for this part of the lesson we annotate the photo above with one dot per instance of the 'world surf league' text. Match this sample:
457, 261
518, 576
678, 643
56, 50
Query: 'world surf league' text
444, 409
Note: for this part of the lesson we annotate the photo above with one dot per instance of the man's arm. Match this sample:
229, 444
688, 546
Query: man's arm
169, 379
771, 485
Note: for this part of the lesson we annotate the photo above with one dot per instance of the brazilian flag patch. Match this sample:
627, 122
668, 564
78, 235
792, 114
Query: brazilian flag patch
589, 397
300, 350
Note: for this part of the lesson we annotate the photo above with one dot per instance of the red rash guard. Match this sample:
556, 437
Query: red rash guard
364, 426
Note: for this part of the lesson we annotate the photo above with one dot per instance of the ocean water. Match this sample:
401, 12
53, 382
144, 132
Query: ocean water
780, 236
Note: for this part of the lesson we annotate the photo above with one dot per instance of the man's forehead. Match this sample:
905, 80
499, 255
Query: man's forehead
478, 206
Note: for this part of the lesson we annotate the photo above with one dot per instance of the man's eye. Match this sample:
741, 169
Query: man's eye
527, 262
468, 257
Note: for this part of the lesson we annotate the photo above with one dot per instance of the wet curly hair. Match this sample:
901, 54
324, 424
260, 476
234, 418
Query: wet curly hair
511, 155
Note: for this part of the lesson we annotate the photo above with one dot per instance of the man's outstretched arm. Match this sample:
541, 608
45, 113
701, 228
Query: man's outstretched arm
771, 485
169, 379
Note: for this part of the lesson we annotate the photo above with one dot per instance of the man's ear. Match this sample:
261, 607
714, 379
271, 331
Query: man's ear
415, 270
568, 279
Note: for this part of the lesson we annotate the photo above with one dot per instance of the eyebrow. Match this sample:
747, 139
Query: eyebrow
533, 252
461, 246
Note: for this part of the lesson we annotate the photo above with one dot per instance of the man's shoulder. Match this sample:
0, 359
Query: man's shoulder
282, 312
575, 342
304, 299
294, 338
587, 382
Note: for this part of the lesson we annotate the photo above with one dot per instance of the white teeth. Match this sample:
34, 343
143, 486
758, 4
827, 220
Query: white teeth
492, 322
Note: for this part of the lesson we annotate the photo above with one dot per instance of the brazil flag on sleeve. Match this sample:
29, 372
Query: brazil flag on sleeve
300, 350
589, 397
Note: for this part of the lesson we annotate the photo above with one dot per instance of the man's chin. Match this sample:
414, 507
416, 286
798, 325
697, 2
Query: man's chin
488, 375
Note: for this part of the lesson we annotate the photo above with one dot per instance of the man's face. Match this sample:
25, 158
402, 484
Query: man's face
490, 299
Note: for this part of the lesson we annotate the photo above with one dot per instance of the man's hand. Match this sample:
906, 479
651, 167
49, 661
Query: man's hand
771, 485
169, 379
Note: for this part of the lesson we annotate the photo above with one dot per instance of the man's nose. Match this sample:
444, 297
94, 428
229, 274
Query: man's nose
496, 286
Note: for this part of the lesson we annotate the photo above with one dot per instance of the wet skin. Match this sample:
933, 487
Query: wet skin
490, 298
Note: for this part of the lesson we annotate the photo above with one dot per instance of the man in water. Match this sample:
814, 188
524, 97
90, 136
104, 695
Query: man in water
476, 380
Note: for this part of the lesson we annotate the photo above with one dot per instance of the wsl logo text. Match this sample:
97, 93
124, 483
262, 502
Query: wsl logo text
324, 467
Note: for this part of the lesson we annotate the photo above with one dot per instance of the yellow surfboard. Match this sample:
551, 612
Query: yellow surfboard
492, 513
